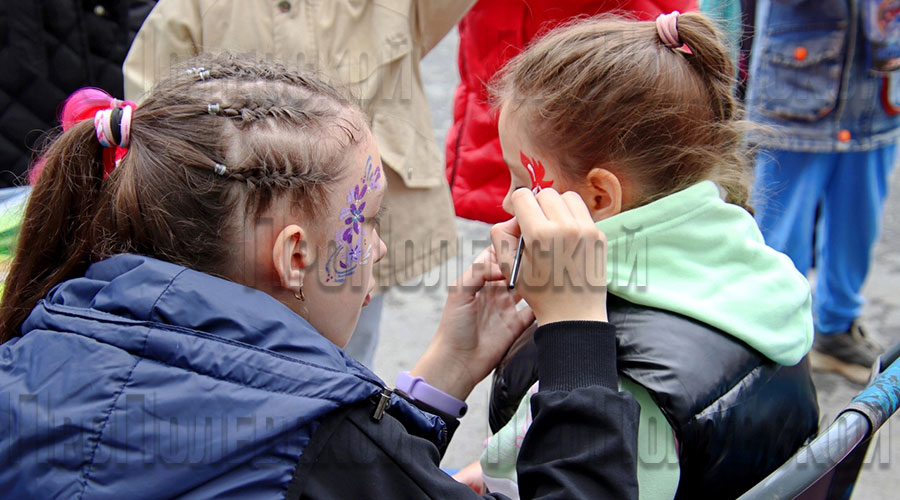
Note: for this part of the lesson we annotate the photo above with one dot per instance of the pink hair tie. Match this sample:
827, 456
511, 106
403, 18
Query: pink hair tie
667, 28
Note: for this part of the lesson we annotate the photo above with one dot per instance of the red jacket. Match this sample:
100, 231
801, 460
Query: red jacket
491, 33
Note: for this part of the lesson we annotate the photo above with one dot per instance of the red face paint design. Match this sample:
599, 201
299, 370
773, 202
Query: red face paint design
535, 171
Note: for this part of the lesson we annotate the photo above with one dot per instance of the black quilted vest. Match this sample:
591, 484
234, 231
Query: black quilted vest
737, 414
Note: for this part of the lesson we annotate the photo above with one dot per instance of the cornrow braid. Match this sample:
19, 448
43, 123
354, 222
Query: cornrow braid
256, 71
266, 176
249, 112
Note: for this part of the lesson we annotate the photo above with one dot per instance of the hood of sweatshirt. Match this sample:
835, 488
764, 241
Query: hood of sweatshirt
696, 255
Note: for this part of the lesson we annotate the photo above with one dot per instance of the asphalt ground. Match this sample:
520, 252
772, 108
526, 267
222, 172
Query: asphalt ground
412, 311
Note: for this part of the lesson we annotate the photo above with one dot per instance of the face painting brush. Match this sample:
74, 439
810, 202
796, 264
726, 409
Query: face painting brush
536, 173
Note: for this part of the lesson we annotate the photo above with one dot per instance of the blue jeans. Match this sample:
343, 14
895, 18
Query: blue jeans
849, 191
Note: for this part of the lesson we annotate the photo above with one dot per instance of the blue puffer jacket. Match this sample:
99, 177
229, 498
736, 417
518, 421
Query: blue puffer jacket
144, 379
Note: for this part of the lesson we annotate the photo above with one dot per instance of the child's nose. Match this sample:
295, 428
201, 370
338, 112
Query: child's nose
382, 249
507, 202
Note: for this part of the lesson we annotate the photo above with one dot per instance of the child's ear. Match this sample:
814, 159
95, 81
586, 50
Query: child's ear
291, 257
603, 193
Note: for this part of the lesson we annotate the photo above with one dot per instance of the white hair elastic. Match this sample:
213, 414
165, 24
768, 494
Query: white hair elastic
220, 169
125, 126
213, 109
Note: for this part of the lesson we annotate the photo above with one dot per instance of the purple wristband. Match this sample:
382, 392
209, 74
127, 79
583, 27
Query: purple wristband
417, 389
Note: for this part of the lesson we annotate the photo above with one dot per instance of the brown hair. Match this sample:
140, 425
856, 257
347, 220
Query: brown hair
278, 132
606, 91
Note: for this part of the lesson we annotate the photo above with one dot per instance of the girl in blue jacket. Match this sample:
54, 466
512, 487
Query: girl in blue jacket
188, 271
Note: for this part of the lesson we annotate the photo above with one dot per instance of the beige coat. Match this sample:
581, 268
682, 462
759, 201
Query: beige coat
371, 46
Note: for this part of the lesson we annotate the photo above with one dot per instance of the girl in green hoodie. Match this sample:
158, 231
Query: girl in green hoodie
639, 119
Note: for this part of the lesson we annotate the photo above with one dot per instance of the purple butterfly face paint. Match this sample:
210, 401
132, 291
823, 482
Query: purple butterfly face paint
352, 250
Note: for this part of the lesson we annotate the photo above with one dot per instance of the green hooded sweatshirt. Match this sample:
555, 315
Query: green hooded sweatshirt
693, 254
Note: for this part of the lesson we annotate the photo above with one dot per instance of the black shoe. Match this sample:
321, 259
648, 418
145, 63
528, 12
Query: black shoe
849, 353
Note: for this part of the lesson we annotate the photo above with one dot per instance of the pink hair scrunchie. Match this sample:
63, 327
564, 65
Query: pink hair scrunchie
111, 117
667, 29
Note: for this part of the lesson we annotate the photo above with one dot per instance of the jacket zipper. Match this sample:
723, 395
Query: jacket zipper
382, 403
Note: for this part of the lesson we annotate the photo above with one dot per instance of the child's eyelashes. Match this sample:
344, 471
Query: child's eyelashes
376, 220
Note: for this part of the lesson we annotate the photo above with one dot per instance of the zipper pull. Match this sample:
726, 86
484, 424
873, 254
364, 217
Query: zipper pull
383, 403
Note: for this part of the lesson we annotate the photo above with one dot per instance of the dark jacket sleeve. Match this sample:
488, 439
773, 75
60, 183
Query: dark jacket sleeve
582, 443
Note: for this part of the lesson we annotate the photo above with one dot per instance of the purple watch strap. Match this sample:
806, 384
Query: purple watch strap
417, 389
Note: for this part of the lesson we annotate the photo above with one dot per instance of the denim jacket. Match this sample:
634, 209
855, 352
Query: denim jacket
810, 79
